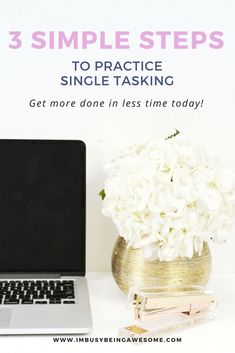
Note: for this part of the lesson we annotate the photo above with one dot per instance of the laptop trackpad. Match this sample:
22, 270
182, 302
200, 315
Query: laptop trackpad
5, 317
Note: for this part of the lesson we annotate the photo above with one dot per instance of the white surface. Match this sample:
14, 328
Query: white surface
202, 73
110, 313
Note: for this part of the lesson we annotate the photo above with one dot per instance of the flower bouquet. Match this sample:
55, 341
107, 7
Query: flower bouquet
168, 197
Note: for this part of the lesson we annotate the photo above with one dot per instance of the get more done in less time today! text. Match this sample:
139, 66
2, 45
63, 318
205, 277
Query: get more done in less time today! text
124, 103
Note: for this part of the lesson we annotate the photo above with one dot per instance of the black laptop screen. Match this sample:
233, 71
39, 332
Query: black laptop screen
42, 206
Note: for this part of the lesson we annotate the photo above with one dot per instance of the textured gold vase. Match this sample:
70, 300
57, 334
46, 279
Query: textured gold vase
129, 268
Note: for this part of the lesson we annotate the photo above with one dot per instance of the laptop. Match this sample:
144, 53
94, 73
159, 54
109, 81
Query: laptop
43, 289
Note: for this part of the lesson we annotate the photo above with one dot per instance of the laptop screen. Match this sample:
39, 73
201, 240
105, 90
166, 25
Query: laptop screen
42, 206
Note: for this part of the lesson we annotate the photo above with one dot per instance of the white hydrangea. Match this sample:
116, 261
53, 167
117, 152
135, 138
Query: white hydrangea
167, 197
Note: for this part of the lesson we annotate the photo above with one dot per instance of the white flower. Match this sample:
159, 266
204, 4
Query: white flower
167, 197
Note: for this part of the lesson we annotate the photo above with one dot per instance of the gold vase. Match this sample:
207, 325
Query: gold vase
129, 268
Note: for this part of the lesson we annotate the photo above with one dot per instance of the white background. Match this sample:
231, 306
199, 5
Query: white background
202, 73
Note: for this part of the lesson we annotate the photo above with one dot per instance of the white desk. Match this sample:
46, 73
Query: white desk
110, 312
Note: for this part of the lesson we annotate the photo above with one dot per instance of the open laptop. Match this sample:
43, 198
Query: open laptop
42, 237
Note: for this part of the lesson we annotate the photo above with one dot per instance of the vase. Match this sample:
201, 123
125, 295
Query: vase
130, 268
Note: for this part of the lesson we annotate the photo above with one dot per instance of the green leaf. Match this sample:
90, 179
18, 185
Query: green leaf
102, 194
177, 132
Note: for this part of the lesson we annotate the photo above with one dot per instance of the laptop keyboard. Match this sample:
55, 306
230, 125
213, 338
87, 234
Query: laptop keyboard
37, 292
